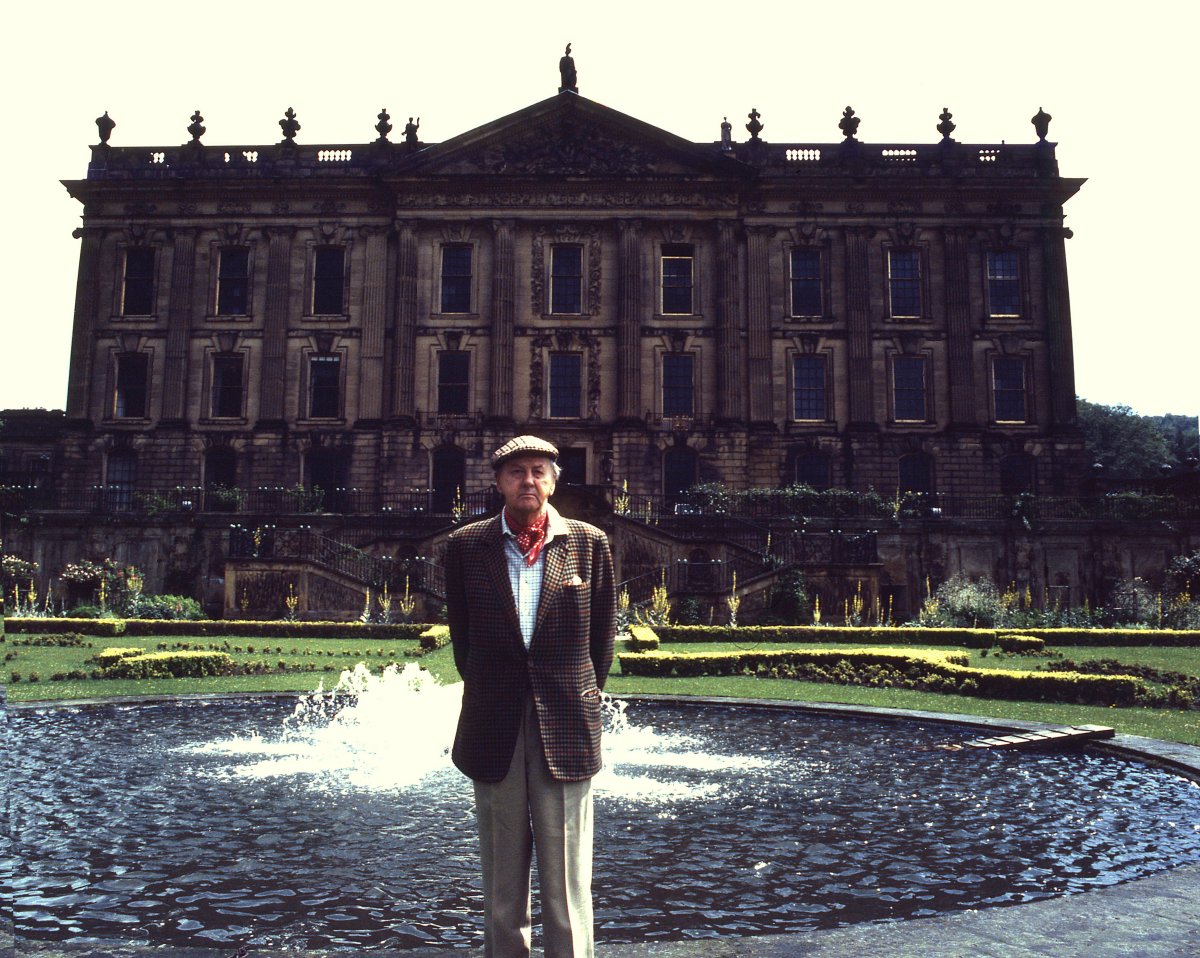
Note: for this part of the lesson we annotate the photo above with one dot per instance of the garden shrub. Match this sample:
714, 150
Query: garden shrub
434, 637
161, 665
641, 639
1021, 644
905, 635
167, 607
102, 627
106, 658
925, 670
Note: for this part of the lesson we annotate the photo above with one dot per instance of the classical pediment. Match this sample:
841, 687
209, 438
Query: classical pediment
569, 135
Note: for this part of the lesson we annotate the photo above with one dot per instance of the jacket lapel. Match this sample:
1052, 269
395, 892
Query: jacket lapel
556, 553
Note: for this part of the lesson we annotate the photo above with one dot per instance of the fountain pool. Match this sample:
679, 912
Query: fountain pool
340, 823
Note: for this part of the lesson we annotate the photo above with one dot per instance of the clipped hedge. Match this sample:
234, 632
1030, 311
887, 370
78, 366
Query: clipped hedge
434, 637
101, 627
107, 658
1021, 644
890, 668
401, 632
1126, 637
968, 638
163, 665
641, 639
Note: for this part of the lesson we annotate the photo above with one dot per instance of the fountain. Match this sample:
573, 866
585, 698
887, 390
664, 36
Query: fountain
339, 822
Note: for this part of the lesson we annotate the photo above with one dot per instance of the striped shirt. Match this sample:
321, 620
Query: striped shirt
526, 579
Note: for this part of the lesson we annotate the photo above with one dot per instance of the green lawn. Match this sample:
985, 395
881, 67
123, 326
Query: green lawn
309, 661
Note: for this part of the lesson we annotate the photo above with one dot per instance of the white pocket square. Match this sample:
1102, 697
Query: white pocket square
574, 580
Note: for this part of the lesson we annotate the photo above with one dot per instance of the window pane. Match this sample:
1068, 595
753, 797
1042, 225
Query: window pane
233, 289
1004, 284
904, 281
328, 281
120, 476
677, 280
806, 283
453, 382
324, 373
565, 385
809, 385
456, 278
227, 387
677, 384
566, 279
132, 370
908, 376
137, 293
1008, 384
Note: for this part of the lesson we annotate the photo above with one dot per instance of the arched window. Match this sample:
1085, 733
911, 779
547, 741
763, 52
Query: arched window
220, 468
811, 468
916, 472
679, 472
120, 477
1017, 474
448, 470
325, 471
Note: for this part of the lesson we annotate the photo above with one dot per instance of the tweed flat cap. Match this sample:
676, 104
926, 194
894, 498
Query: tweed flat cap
524, 446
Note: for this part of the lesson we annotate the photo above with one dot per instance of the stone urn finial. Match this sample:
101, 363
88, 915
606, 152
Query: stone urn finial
754, 127
946, 127
848, 124
384, 126
1041, 123
289, 125
196, 127
105, 125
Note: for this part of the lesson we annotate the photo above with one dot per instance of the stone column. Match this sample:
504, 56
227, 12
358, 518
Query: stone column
629, 320
858, 325
179, 327
758, 321
1059, 349
83, 359
371, 383
731, 380
404, 364
960, 369
504, 281
273, 378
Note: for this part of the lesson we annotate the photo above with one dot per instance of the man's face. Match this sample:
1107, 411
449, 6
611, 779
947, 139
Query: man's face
526, 483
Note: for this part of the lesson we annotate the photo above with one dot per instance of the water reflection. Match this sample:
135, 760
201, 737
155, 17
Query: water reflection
328, 826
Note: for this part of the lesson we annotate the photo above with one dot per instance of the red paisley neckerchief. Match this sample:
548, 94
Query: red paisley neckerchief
530, 538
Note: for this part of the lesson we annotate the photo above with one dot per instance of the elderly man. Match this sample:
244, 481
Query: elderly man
531, 608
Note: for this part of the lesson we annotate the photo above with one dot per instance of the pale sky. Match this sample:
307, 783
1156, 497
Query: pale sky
1117, 84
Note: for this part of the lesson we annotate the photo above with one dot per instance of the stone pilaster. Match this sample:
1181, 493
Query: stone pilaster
858, 326
404, 365
960, 366
731, 374
758, 321
371, 385
629, 317
273, 381
179, 327
504, 282
82, 340
1059, 349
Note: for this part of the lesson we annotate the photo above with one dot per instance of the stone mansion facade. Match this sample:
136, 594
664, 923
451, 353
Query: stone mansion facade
378, 317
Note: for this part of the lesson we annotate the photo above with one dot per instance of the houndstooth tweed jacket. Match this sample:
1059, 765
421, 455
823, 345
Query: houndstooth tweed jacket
568, 658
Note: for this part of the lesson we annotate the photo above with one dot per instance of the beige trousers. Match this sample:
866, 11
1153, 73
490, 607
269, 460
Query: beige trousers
529, 809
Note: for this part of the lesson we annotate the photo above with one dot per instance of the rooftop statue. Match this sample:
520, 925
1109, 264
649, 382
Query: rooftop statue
566, 69
410, 131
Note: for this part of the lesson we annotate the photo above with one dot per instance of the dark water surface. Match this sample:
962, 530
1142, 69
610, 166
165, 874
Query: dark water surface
761, 821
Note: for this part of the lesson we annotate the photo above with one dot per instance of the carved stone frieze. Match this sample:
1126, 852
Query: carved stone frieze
566, 149
556, 198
